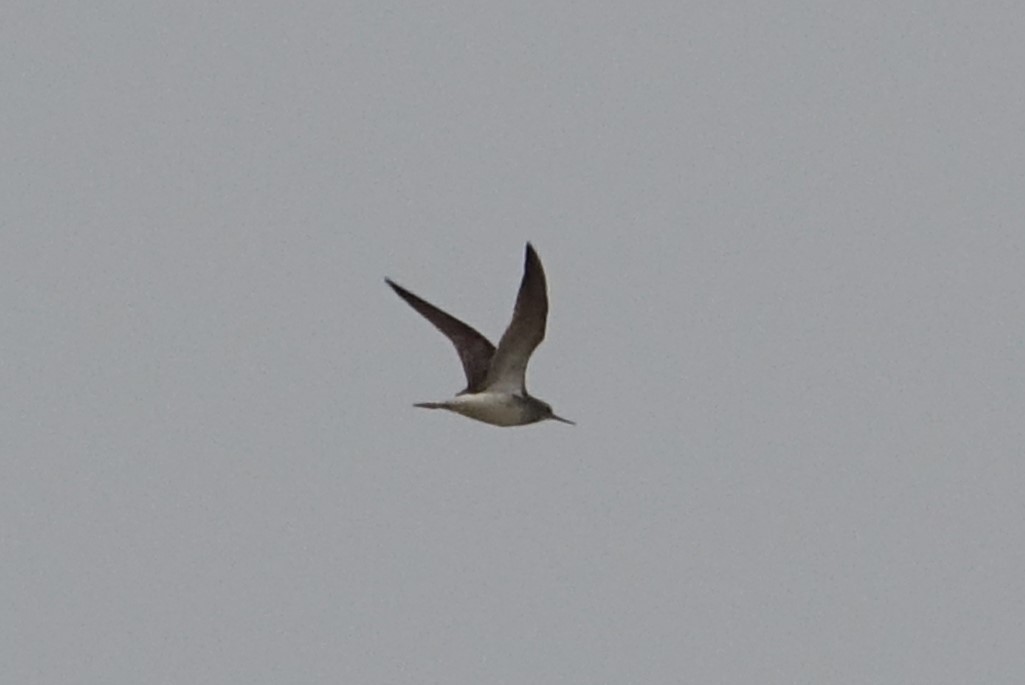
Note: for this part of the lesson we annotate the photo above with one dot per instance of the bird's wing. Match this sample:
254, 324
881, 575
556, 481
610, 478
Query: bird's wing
525, 332
475, 351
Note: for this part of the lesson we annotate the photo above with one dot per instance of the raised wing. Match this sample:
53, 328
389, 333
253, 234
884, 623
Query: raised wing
475, 351
525, 332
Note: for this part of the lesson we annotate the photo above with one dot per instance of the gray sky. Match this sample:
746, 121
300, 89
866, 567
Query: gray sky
785, 254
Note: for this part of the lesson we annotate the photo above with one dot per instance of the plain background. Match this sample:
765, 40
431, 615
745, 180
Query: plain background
785, 253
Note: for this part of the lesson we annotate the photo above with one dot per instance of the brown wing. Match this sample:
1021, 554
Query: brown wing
475, 351
525, 332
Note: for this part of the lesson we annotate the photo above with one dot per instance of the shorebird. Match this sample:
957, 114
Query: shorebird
496, 390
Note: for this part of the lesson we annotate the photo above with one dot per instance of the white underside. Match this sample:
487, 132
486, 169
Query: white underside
498, 409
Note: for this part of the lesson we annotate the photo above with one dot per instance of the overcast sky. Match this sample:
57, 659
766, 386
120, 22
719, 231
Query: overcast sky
786, 259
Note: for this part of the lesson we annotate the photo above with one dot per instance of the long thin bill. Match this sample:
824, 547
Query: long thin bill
559, 418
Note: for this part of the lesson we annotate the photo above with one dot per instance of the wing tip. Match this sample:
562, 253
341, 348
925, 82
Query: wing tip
395, 286
531, 260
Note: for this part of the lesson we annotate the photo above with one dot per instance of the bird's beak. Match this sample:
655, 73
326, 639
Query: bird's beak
559, 418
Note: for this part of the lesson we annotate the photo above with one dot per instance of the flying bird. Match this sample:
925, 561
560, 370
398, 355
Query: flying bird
496, 390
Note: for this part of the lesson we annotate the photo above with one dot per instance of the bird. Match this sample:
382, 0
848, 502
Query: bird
496, 391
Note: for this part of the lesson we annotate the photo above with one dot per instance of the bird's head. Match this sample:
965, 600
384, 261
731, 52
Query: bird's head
547, 413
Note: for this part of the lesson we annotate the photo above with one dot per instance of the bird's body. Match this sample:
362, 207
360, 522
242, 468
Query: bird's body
496, 390
496, 408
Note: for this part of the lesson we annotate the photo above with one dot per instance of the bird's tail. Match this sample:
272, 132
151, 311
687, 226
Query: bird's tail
430, 405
